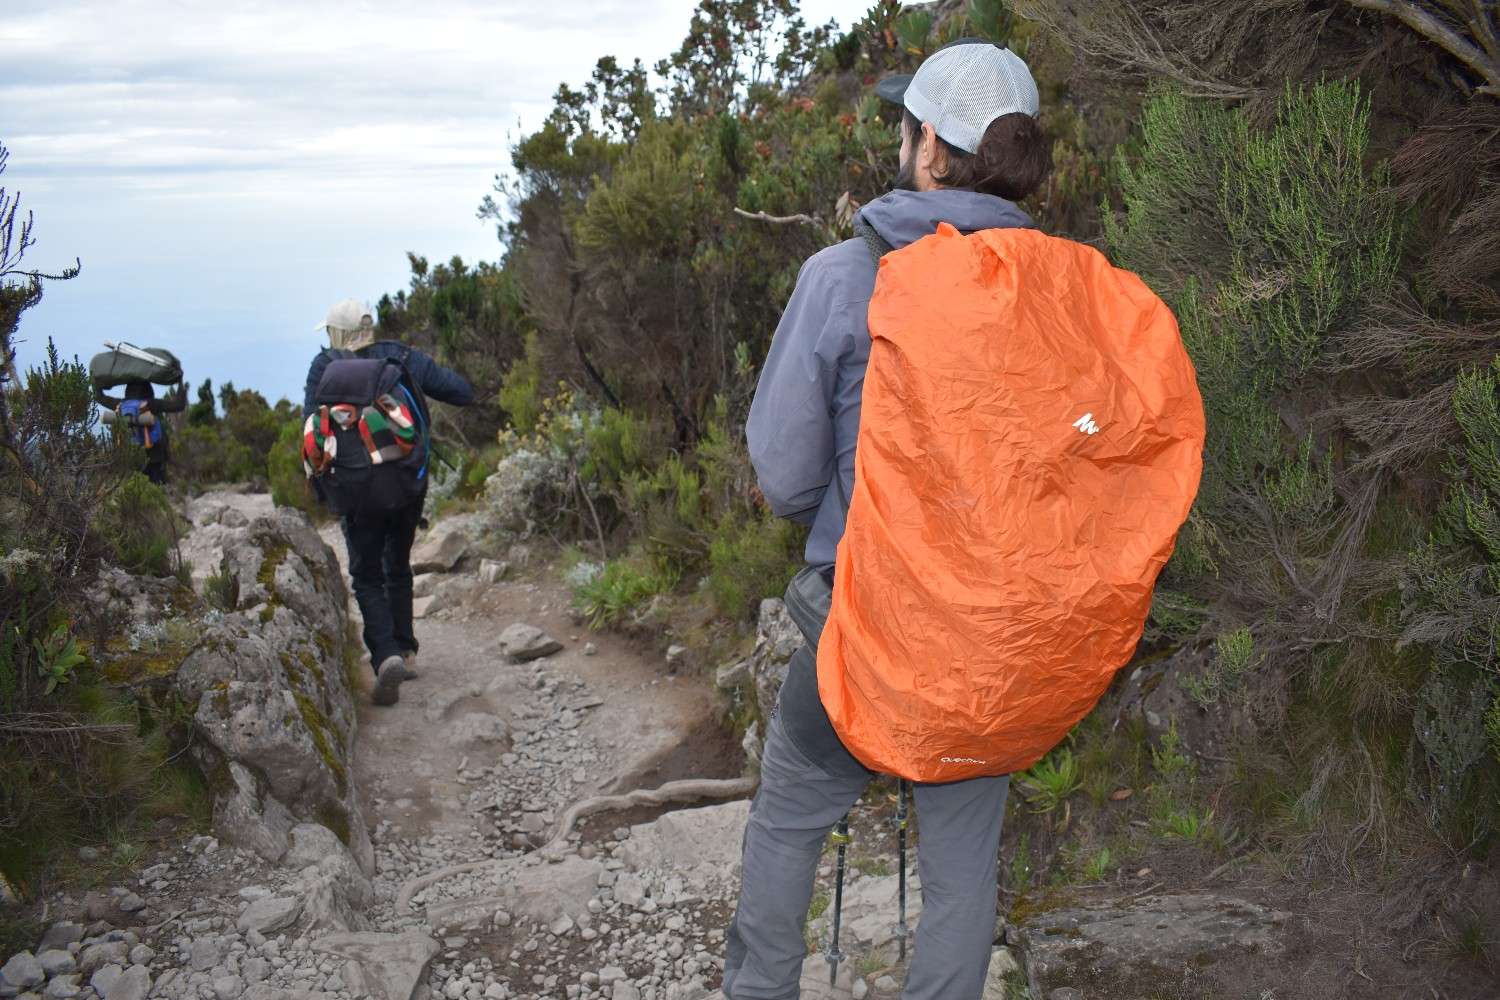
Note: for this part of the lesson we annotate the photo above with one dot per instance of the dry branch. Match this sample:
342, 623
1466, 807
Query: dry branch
1120, 33
779, 220
1481, 53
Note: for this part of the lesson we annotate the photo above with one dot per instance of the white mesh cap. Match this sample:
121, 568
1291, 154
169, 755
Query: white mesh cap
962, 88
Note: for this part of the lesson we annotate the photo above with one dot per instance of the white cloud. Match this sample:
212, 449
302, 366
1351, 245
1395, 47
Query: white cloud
257, 159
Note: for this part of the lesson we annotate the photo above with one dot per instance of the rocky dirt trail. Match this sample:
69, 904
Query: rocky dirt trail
471, 775
473, 888
484, 875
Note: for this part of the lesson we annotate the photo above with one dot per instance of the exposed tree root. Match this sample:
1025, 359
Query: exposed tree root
416, 885
673, 791
688, 790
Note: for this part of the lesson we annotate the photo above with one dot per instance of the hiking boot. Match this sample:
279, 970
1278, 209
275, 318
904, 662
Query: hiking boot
410, 664
388, 680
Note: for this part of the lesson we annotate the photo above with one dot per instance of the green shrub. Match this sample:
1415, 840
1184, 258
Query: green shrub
221, 589
521, 389
1225, 674
1264, 240
284, 471
207, 455
236, 447
751, 559
139, 524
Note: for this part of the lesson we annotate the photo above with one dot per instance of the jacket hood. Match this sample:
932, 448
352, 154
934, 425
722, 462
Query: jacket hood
902, 217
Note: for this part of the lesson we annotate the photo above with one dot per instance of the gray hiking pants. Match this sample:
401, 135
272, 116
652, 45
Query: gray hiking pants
797, 806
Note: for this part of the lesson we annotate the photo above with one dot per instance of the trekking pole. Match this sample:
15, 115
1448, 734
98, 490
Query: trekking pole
840, 837
901, 864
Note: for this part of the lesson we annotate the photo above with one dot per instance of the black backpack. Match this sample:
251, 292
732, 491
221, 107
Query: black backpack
366, 446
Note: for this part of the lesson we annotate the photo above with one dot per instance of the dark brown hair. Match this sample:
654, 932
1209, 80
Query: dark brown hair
1013, 158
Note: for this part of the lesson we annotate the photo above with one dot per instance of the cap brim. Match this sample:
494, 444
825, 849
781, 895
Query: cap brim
320, 327
893, 88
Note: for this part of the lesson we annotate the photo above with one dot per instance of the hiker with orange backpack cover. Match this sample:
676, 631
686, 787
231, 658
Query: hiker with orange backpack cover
994, 444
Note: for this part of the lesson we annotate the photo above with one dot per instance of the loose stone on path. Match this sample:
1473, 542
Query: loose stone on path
522, 642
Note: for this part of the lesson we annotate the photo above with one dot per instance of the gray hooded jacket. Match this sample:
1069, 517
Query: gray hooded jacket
805, 417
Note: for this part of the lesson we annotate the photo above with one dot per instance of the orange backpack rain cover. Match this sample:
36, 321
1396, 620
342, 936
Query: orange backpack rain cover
1030, 441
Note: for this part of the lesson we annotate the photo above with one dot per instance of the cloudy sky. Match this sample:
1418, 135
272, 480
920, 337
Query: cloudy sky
226, 170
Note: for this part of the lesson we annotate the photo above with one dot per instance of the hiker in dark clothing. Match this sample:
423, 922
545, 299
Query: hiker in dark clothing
174, 402
380, 544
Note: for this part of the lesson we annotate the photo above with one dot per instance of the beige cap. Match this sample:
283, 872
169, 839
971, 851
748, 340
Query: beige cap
350, 324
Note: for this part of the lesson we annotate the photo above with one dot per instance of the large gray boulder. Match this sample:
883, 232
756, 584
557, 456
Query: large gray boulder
269, 685
700, 844
22, 972
218, 519
871, 908
335, 891
542, 893
777, 638
1135, 947
387, 966
267, 916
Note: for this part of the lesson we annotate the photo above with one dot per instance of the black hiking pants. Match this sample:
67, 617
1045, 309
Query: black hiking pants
380, 566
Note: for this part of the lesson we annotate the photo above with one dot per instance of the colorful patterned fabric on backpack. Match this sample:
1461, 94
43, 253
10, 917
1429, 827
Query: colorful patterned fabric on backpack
386, 427
365, 446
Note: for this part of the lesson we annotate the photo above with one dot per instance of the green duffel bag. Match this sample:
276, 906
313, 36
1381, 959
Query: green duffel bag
124, 363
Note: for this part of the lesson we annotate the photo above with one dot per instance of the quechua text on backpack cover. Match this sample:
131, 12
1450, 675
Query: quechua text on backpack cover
1030, 442
366, 444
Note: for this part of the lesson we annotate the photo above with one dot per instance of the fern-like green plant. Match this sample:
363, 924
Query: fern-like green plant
610, 595
1097, 867
1051, 780
57, 656
1188, 824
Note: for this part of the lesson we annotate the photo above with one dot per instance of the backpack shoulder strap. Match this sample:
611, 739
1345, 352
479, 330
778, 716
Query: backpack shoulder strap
877, 244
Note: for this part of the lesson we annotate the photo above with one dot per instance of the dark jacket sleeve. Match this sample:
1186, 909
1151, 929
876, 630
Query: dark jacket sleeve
314, 375
108, 402
436, 382
173, 402
791, 426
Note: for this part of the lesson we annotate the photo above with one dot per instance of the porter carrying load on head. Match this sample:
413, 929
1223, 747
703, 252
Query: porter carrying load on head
137, 370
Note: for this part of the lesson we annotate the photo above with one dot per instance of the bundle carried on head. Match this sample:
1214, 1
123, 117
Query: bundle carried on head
124, 363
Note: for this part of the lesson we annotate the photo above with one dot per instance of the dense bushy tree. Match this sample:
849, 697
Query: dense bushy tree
1345, 346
